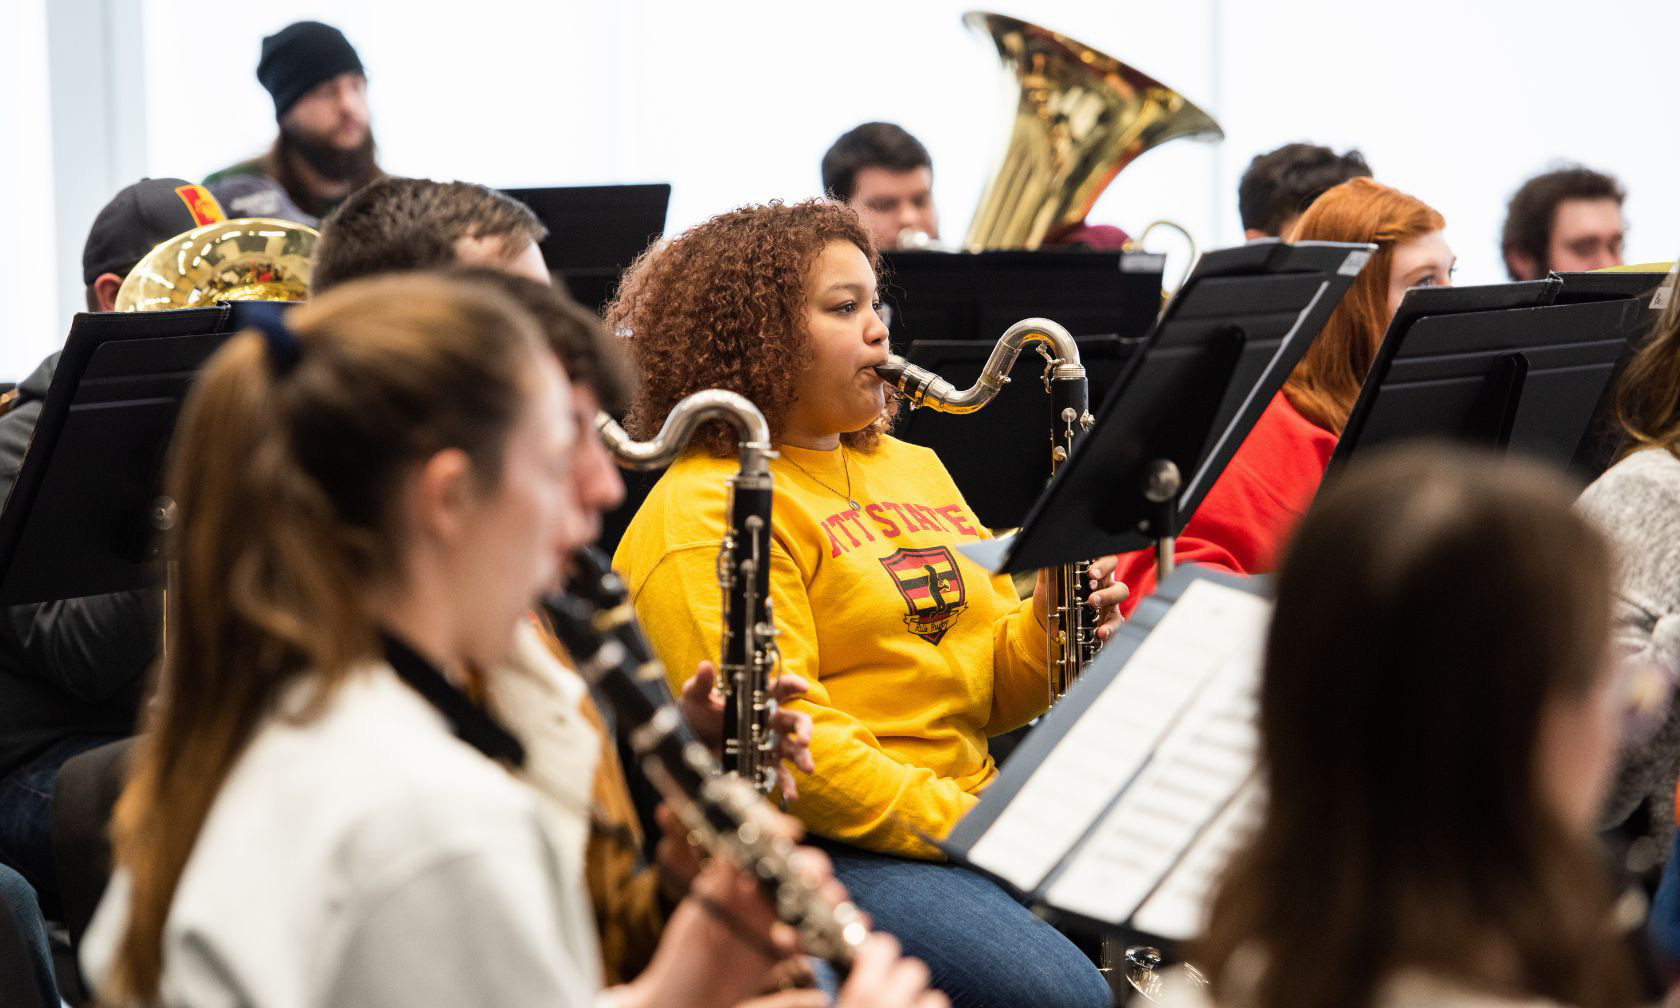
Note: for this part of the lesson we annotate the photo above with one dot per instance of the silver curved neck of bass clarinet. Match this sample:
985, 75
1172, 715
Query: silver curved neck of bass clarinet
921, 387
685, 417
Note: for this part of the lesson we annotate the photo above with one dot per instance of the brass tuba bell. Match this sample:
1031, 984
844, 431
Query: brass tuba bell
248, 259
1082, 117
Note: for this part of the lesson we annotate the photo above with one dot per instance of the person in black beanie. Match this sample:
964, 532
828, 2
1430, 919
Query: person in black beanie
325, 148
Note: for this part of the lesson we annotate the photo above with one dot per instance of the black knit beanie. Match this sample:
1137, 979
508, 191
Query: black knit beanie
300, 56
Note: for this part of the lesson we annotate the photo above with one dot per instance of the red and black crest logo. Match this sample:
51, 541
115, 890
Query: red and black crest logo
933, 588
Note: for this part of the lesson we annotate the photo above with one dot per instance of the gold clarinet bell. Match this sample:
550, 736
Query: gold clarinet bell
1081, 118
249, 259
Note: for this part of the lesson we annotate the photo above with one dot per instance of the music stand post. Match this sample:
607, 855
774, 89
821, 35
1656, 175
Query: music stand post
1222, 349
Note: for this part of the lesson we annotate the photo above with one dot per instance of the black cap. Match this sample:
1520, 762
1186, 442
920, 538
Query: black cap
141, 217
300, 56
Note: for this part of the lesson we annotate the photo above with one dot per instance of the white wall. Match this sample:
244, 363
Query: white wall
735, 102
30, 325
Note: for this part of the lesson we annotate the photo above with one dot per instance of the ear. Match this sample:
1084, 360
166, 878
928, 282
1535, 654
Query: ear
1521, 265
105, 287
442, 496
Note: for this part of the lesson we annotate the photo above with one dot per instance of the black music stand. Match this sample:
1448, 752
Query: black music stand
595, 232
1604, 435
1505, 367
82, 516
975, 296
1223, 348
999, 457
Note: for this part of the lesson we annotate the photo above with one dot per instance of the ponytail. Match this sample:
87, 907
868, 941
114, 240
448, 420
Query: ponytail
284, 466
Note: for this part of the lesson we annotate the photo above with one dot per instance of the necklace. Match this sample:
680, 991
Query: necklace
847, 496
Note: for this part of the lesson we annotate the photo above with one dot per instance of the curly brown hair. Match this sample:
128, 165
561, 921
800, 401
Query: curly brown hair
723, 306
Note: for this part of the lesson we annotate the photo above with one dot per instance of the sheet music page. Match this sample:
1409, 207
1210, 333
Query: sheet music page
1112, 741
1178, 910
1194, 774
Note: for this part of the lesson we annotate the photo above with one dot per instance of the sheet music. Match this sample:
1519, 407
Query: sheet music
1178, 910
1195, 773
1209, 626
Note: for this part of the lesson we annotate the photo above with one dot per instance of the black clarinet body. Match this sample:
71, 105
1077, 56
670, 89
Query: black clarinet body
748, 668
748, 657
724, 814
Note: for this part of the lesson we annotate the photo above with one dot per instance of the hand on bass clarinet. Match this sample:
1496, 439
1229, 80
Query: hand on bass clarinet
1106, 596
702, 707
724, 941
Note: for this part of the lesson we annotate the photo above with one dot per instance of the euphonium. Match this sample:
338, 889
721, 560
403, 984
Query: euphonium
749, 655
248, 259
1082, 116
1073, 632
598, 626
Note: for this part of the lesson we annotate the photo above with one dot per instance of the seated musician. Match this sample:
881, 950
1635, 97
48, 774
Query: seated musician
886, 175
1242, 522
1277, 187
397, 224
914, 654
1636, 504
327, 807
72, 671
1438, 723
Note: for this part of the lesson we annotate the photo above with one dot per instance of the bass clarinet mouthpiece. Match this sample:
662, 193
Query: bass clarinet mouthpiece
917, 385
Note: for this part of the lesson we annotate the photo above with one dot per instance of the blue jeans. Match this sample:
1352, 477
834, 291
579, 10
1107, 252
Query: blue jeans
24, 957
984, 948
26, 815
1663, 923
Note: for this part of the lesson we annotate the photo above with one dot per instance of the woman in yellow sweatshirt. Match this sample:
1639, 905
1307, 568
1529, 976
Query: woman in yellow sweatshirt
915, 654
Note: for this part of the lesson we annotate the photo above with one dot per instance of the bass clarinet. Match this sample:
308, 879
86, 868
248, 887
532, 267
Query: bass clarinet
1072, 630
749, 657
726, 817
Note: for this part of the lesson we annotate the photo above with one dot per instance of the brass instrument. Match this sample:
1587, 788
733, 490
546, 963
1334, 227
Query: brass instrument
1082, 117
722, 814
749, 655
249, 259
1072, 629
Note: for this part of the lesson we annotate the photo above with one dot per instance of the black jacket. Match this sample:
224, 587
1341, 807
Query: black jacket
73, 667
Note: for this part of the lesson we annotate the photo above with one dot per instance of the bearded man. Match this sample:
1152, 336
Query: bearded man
325, 149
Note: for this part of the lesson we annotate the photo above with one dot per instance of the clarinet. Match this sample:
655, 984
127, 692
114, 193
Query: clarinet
1072, 630
749, 655
723, 814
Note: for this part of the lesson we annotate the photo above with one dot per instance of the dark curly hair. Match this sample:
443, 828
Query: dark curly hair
723, 306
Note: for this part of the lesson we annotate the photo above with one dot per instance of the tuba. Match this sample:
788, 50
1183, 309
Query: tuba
248, 259
1082, 116
1072, 629
749, 656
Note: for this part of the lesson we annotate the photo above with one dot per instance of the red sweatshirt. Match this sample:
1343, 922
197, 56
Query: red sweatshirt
1245, 518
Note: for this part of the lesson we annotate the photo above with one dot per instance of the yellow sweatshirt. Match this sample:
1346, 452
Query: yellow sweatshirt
914, 654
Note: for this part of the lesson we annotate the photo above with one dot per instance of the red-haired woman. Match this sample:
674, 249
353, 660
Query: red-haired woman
1241, 524
915, 654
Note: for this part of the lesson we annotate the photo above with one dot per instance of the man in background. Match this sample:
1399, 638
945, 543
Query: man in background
325, 149
886, 175
1565, 221
1279, 185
